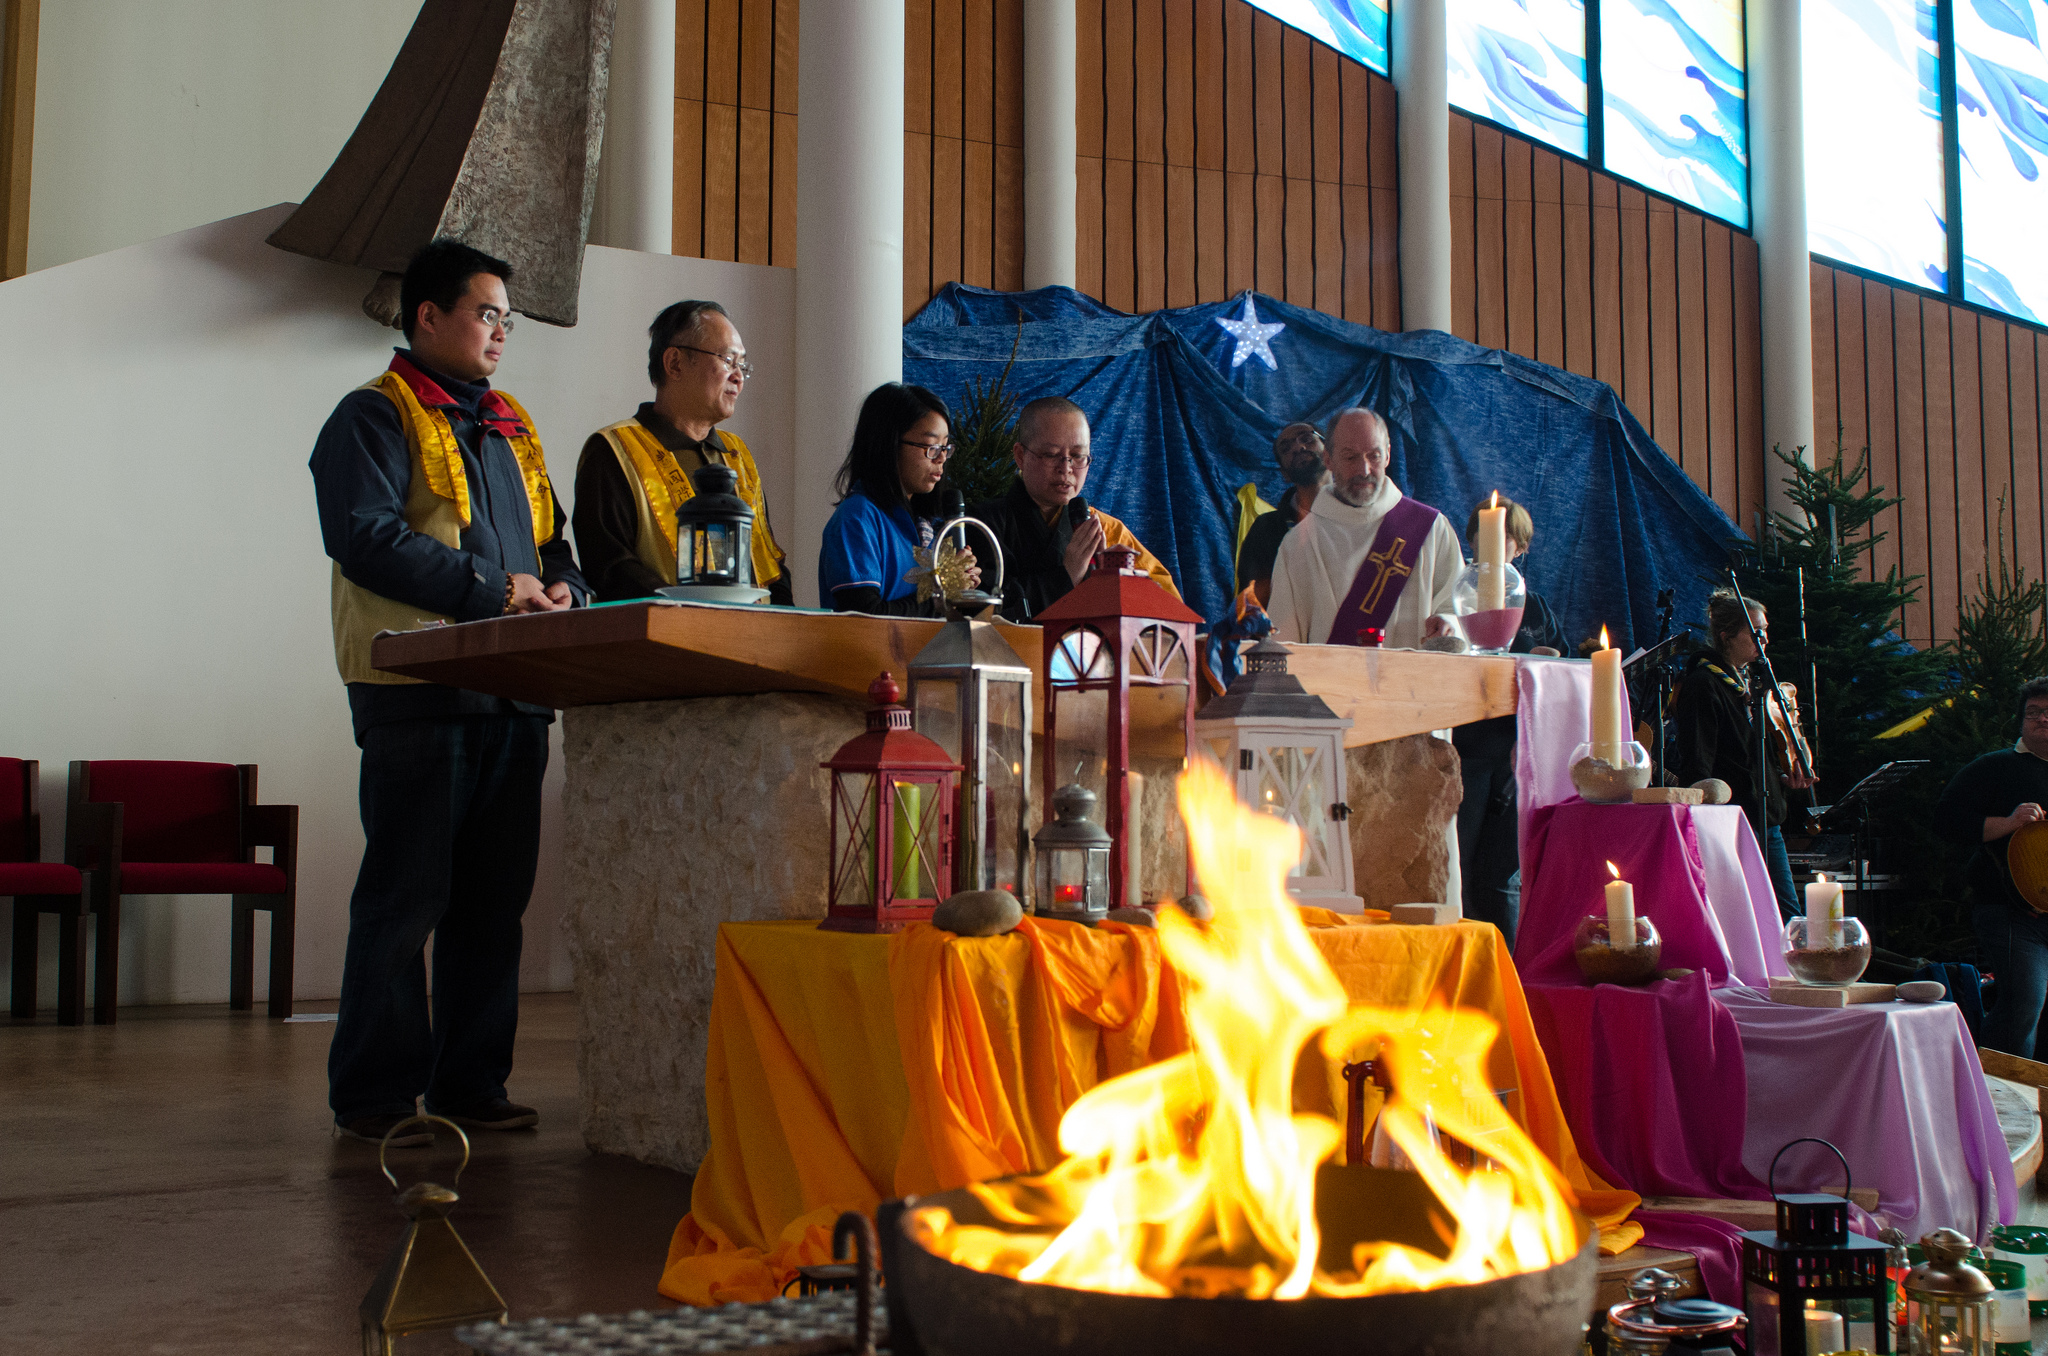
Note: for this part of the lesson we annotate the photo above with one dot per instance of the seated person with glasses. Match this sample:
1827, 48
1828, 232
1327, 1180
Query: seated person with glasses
635, 474
1048, 533
888, 505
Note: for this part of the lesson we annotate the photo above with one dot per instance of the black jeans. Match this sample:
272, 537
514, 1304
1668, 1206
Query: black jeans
2012, 944
1488, 853
451, 819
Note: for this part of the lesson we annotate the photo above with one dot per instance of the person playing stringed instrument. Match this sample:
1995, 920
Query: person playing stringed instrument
1714, 731
1986, 803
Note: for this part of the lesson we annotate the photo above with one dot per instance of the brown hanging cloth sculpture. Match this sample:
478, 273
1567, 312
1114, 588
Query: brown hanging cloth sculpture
486, 130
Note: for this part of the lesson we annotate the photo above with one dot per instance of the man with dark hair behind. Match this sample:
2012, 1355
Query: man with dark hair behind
1048, 532
435, 506
635, 474
1987, 802
1298, 452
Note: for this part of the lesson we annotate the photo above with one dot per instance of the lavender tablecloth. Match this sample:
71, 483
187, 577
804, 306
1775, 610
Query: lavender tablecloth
1897, 1087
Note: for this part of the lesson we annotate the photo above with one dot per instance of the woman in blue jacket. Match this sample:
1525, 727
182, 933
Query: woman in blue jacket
888, 499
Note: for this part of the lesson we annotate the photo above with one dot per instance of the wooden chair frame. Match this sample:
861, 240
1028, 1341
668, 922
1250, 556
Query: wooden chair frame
71, 911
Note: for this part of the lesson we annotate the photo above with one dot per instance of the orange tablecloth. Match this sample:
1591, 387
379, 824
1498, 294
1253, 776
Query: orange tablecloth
847, 1069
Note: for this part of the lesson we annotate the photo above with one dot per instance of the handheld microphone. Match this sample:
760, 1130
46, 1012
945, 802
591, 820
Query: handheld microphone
952, 504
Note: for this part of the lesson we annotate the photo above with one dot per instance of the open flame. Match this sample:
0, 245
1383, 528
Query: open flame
1196, 1176
1614, 870
1605, 644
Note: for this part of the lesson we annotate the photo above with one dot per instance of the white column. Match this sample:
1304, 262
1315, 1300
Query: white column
1777, 192
849, 243
635, 207
1050, 182
1422, 99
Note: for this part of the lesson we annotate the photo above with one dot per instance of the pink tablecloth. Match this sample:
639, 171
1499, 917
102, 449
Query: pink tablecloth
1697, 875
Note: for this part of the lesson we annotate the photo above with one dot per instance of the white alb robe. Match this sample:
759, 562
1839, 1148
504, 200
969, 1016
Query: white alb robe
1320, 557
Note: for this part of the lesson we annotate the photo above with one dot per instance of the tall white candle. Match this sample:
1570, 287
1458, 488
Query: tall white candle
1610, 704
1491, 550
1824, 1330
1823, 912
1621, 911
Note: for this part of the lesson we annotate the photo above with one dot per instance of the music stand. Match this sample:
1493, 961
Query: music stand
1654, 666
1853, 811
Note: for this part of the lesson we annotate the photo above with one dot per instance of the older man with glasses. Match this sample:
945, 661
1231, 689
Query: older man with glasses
1048, 533
634, 474
1990, 800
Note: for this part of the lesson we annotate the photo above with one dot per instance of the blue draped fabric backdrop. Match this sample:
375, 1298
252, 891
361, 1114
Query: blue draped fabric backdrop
1176, 430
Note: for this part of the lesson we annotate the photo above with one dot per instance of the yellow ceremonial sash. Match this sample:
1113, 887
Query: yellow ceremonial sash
436, 505
663, 485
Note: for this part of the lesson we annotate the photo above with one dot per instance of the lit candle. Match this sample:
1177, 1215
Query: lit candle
1610, 705
1823, 913
908, 880
1824, 1330
1134, 844
1621, 911
1491, 545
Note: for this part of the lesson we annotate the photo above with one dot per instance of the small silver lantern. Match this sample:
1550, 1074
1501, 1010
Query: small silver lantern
714, 542
971, 695
1285, 748
1948, 1301
1073, 860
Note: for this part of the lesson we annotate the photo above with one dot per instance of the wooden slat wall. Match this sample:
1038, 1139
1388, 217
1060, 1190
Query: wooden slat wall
963, 146
735, 185
1948, 401
1221, 150
18, 28
1565, 264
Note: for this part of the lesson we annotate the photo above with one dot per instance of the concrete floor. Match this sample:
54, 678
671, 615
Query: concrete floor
169, 1185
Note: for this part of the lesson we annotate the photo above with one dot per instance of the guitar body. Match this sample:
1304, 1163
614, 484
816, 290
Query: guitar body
2026, 863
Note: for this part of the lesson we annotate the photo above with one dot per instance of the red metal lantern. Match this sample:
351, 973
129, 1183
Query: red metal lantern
1119, 678
892, 822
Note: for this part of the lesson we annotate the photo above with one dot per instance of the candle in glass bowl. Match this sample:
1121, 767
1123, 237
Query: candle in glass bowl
1610, 705
1491, 550
1823, 913
1621, 911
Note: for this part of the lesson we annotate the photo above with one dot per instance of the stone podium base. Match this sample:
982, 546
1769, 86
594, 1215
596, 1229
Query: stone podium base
681, 815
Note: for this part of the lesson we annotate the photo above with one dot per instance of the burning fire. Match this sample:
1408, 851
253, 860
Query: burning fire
1196, 1176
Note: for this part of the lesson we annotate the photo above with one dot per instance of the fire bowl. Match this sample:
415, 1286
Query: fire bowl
939, 1308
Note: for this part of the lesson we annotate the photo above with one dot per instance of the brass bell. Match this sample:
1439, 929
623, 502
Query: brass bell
430, 1280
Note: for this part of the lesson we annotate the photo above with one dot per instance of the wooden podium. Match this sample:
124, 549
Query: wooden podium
640, 652
692, 796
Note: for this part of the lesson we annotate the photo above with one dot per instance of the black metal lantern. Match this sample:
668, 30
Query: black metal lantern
1073, 860
1812, 1257
714, 537
971, 694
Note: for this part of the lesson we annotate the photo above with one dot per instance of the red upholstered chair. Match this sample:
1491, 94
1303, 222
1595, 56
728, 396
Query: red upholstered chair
187, 829
40, 887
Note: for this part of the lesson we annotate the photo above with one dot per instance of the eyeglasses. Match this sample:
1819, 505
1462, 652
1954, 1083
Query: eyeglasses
2036, 715
932, 451
1307, 435
732, 364
1075, 460
494, 319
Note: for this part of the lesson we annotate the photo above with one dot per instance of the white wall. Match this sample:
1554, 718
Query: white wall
168, 594
154, 116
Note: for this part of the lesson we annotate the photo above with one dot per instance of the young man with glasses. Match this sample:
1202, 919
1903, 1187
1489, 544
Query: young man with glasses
633, 475
1988, 801
1048, 533
1298, 452
435, 506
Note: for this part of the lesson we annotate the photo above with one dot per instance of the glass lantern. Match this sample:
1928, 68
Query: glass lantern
1812, 1261
1119, 685
1489, 606
714, 541
1655, 1319
1073, 860
1949, 1303
1284, 747
971, 695
893, 793
1833, 955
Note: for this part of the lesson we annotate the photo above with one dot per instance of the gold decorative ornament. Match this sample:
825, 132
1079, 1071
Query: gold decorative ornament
430, 1280
941, 571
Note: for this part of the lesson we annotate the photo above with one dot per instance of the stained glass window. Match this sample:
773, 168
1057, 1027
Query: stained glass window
1522, 63
1357, 28
2001, 100
1675, 98
1875, 194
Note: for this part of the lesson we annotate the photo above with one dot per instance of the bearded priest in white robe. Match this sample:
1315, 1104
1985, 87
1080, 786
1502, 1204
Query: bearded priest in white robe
1334, 575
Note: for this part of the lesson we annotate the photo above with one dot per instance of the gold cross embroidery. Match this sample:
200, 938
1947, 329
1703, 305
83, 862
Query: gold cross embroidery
1391, 568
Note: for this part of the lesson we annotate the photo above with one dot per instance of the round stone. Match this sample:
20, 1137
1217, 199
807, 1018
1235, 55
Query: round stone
1196, 907
979, 913
1141, 918
1718, 791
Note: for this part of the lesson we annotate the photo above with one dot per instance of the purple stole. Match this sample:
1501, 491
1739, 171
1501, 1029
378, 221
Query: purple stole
1384, 572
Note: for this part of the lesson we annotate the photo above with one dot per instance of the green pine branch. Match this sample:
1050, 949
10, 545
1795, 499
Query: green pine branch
985, 434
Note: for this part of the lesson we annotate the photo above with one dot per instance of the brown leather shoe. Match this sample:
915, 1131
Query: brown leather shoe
498, 1115
375, 1128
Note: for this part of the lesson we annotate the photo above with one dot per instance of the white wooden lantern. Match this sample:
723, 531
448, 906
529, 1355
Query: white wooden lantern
1285, 748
